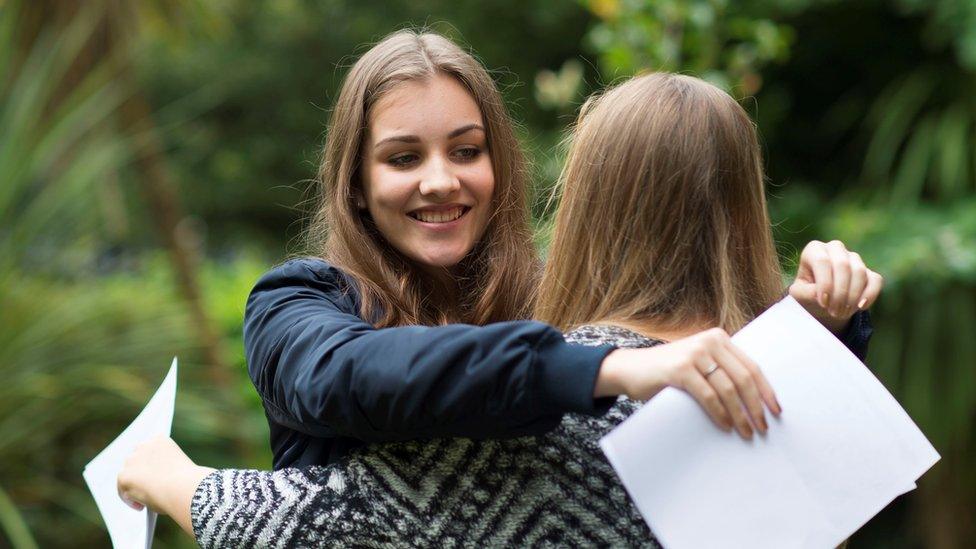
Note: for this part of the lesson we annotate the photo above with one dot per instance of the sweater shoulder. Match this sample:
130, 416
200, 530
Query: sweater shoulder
606, 334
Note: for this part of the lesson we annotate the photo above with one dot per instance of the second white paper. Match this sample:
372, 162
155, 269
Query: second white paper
841, 451
128, 528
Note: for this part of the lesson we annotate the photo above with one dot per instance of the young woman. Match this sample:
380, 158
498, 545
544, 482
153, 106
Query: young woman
406, 382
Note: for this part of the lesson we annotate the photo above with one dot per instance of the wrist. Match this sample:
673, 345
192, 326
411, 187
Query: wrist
835, 325
610, 378
180, 490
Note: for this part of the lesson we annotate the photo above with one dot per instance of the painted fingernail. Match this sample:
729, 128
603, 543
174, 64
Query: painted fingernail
763, 425
862, 303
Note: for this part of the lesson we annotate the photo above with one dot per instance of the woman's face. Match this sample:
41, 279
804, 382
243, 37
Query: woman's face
427, 176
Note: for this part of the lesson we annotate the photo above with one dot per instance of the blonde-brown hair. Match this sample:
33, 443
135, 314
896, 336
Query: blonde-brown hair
663, 214
497, 280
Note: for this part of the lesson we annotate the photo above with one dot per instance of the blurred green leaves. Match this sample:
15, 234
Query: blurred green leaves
81, 347
714, 39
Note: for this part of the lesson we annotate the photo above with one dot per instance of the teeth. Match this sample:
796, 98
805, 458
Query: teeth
439, 217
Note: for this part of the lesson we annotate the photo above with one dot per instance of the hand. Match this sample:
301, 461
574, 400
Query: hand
833, 283
159, 475
731, 394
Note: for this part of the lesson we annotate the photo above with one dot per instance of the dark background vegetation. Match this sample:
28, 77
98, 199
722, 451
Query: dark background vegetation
156, 156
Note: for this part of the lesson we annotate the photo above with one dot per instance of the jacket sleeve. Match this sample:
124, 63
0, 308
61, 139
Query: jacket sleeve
327, 372
857, 334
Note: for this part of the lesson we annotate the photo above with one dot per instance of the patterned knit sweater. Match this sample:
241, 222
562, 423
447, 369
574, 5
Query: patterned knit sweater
544, 491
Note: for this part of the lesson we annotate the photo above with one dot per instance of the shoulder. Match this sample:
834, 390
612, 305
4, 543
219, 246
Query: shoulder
303, 272
304, 277
605, 334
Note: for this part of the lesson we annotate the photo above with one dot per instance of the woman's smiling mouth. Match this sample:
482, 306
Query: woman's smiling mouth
439, 215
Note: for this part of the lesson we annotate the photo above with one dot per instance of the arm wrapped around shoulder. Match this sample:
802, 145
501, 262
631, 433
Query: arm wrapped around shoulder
323, 370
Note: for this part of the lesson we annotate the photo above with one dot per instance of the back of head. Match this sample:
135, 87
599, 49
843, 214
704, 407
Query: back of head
663, 214
498, 279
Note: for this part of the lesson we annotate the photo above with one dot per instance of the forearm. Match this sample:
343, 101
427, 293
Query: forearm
416, 382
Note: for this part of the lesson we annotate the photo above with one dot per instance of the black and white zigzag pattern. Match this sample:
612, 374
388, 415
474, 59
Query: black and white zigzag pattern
555, 490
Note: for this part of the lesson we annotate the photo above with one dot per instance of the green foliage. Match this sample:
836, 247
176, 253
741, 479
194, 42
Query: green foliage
950, 23
714, 39
81, 350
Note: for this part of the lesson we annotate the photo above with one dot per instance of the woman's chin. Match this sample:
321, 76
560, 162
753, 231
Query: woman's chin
441, 258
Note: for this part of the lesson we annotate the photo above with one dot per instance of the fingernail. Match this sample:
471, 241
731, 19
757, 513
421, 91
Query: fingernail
862, 303
763, 425
823, 300
779, 409
826, 300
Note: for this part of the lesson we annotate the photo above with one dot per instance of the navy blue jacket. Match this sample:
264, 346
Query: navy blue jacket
330, 381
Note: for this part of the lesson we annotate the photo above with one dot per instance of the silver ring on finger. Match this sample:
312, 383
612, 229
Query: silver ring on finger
711, 370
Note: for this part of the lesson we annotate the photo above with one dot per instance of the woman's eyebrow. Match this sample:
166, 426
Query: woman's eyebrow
398, 138
414, 139
464, 129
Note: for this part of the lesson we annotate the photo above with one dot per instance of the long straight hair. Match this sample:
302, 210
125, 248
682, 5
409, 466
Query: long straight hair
663, 213
497, 280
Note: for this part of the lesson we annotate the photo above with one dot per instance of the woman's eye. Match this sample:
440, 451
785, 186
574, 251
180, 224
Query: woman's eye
467, 153
402, 160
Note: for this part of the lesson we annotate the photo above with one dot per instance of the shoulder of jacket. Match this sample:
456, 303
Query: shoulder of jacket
307, 272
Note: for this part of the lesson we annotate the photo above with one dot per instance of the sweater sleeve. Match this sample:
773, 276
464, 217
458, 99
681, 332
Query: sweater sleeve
306, 507
324, 371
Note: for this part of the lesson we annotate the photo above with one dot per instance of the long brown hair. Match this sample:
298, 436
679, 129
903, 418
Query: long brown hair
497, 280
663, 215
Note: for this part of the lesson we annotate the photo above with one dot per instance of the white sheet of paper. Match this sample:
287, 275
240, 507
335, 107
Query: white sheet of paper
128, 528
842, 449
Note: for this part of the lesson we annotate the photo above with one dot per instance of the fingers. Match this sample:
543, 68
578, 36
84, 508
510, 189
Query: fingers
871, 291
122, 486
744, 393
737, 381
816, 259
134, 504
859, 281
762, 384
843, 282
732, 402
841, 271
708, 399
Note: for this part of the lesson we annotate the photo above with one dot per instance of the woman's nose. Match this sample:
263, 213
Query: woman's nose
439, 179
